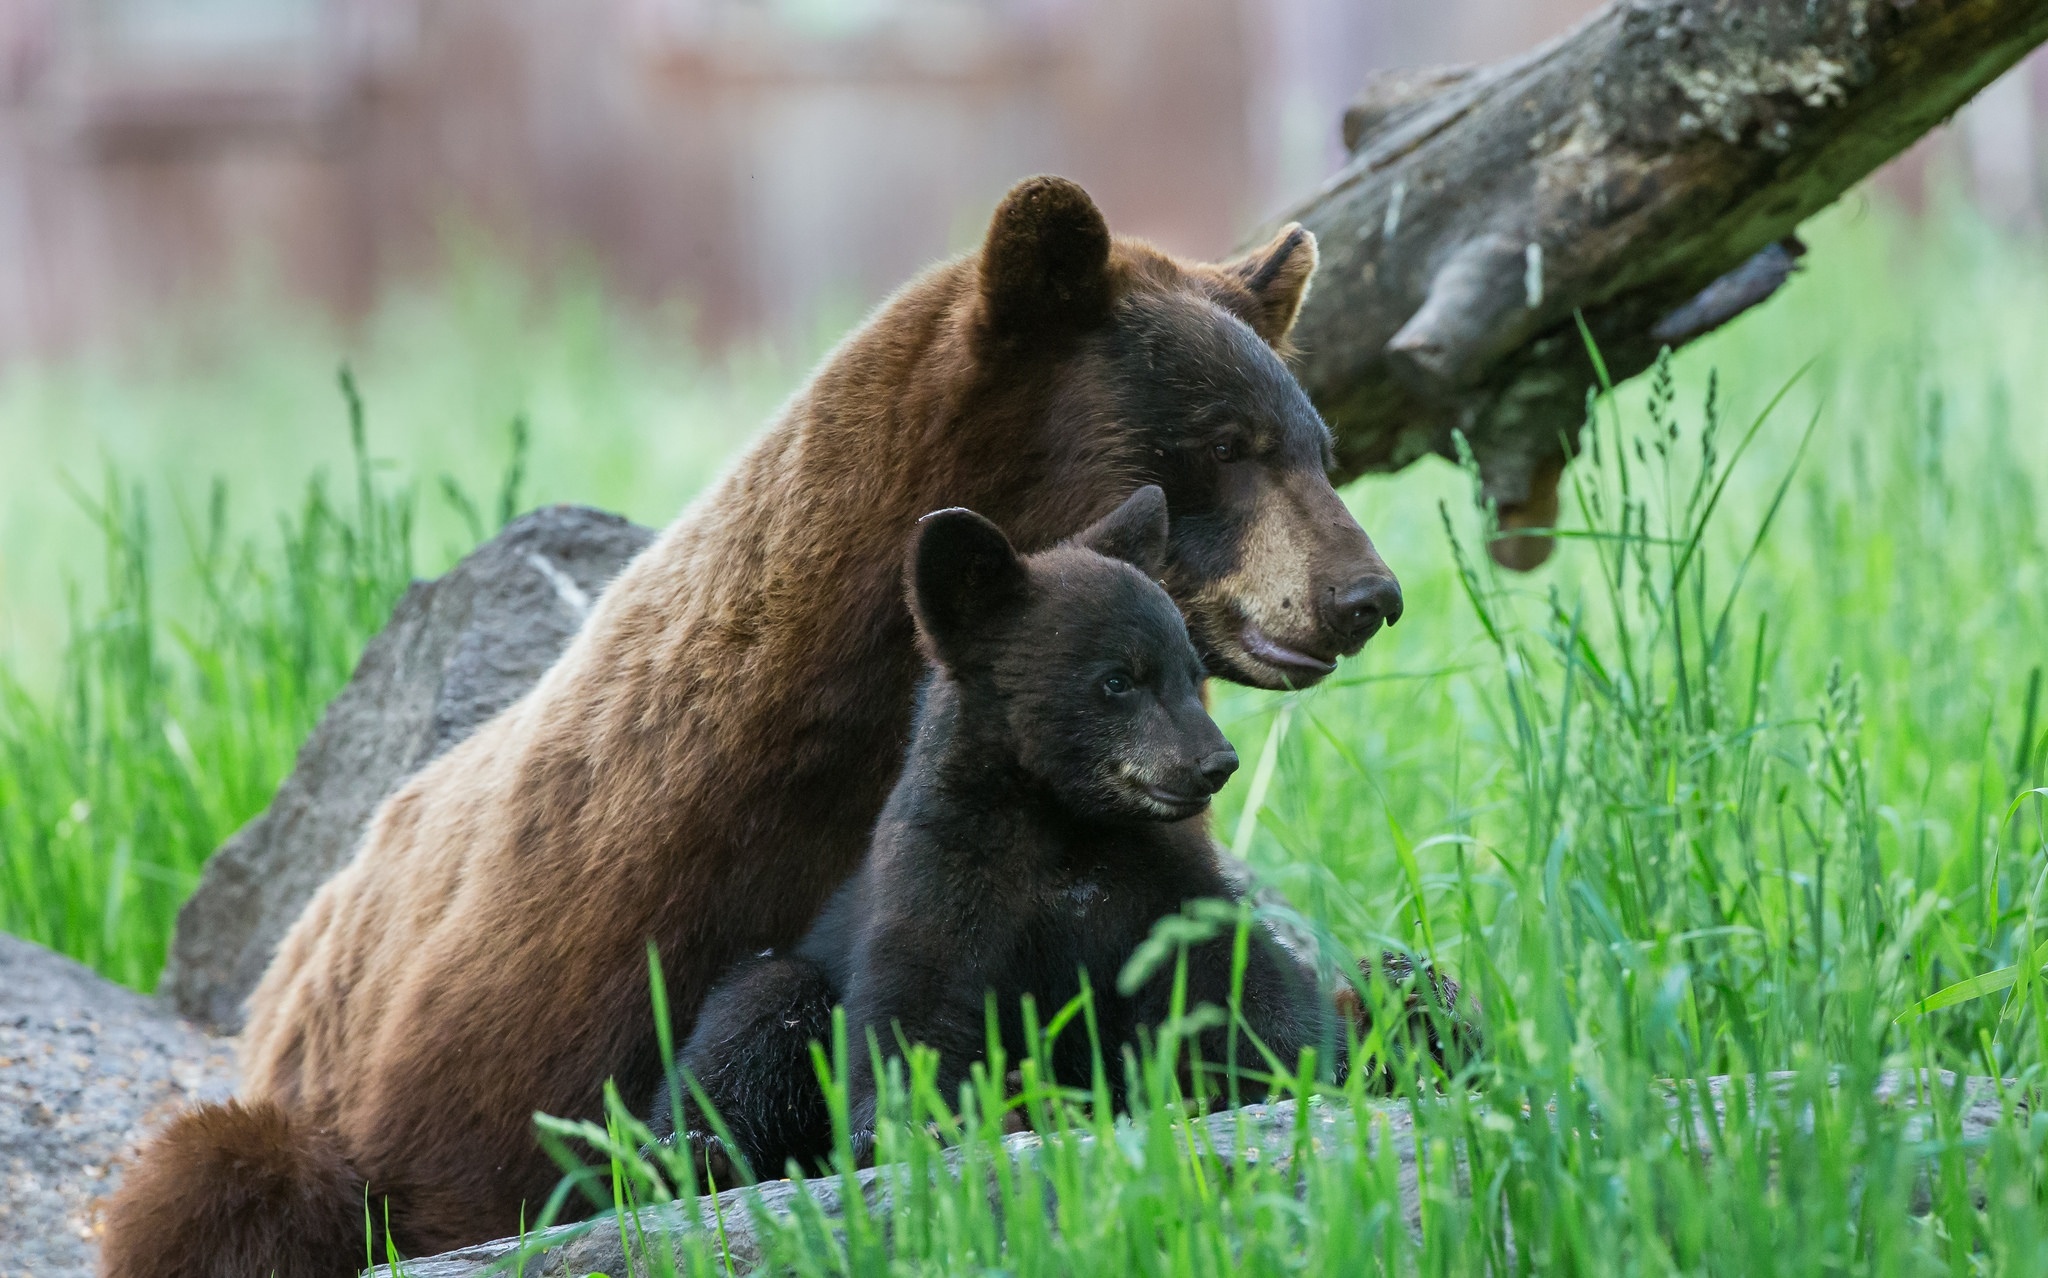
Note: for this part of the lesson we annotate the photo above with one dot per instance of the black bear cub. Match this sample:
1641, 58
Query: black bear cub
1049, 812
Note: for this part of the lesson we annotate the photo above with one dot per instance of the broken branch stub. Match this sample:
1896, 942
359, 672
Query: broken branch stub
1646, 170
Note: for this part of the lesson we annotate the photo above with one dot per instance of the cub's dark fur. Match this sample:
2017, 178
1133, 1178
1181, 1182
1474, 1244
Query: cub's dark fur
1050, 812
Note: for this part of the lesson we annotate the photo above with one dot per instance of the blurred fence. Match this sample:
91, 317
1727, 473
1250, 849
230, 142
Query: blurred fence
751, 157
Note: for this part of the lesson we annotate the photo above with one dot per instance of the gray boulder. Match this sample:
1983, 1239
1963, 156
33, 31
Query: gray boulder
457, 650
87, 1068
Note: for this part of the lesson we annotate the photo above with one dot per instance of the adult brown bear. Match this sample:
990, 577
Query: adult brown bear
704, 764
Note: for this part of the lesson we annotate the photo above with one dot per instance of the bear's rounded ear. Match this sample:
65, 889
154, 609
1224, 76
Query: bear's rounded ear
964, 577
1045, 263
1274, 278
1134, 532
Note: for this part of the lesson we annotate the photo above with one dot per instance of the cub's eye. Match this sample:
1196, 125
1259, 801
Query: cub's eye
1225, 451
1116, 685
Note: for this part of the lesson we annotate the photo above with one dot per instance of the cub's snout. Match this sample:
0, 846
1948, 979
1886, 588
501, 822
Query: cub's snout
1182, 759
1218, 768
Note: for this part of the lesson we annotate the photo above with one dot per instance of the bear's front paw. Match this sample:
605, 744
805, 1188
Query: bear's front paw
1017, 1118
1427, 1009
715, 1168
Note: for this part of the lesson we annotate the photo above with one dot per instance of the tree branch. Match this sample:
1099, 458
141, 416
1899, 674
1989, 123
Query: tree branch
1647, 170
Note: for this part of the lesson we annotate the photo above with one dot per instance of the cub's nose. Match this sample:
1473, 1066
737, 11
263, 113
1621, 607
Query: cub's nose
1216, 768
1356, 611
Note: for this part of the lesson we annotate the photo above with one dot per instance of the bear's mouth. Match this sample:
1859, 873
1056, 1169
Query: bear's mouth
1235, 647
1174, 805
1270, 652
1252, 657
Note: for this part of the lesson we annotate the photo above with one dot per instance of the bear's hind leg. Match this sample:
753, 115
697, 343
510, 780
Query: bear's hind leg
750, 1053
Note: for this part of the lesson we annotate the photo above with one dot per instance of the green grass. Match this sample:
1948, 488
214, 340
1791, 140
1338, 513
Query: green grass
1728, 787
195, 544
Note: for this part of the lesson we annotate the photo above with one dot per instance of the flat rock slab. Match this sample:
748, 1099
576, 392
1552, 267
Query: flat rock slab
572, 1251
87, 1068
457, 650
1262, 1133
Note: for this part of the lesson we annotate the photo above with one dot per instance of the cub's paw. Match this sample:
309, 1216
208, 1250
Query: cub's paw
1017, 1118
715, 1168
714, 1164
1429, 1013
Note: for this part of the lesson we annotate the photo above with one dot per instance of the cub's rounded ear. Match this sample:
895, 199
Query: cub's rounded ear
964, 577
1274, 279
1134, 532
1045, 263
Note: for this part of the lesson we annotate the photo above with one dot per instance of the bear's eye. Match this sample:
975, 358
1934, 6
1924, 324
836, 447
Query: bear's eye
1226, 451
1116, 685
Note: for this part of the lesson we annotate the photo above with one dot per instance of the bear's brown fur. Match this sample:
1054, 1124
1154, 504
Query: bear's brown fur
284, 1200
702, 766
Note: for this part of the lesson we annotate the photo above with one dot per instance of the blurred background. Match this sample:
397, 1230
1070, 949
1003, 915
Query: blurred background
752, 160
630, 225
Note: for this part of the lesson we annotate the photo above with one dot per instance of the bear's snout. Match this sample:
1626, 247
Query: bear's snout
1217, 768
1355, 612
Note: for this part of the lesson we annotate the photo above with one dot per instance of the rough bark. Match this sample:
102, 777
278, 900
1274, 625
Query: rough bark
1647, 169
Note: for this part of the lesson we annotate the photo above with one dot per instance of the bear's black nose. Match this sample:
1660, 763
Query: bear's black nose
1216, 768
1356, 611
